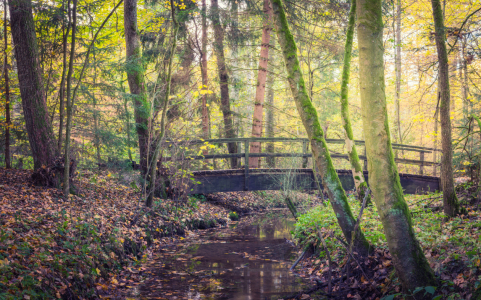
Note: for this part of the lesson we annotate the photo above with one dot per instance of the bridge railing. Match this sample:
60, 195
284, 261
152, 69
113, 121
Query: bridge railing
306, 154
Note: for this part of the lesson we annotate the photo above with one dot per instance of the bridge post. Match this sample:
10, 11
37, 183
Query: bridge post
239, 151
365, 159
246, 165
421, 167
305, 146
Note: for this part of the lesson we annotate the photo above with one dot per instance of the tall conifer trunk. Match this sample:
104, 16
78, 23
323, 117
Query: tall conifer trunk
308, 114
223, 81
408, 258
135, 77
255, 147
270, 121
450, 200
39, 127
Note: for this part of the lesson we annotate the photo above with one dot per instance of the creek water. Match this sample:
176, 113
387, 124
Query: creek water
247, 260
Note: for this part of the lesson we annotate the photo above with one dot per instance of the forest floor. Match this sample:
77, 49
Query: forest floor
100, 240
53, 248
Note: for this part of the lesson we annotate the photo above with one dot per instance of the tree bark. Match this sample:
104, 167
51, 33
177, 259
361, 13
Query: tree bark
159, 139
39, 127
135, 77
450, 200
70, 102
8, 123
357, 172
397, 64
408, 258
62, 84
223, 81
270, 121
315, 133
205, 78
255, 147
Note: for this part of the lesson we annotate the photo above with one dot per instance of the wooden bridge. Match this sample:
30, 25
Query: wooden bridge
303, 178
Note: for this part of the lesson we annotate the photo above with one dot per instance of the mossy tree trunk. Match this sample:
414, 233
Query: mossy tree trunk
315, 133
135, 77
255, 147
450, 200
357, 174
411, 265
223, 80
39, 127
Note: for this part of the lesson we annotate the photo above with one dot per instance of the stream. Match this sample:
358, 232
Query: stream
249, 259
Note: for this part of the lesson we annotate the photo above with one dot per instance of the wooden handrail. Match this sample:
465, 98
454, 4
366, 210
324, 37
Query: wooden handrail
305, 153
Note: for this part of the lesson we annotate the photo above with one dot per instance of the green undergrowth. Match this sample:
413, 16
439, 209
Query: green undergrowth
453, 247
54, 248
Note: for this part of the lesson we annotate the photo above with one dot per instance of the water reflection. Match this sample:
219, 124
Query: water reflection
247, 262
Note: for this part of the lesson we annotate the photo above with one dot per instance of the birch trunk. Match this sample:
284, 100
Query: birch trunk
308, 114
135, 77
450, 200
223, 81
408, 258
357, 172
255, 147
39, 127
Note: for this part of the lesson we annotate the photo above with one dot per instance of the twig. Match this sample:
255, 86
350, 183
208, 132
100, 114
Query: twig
329, 281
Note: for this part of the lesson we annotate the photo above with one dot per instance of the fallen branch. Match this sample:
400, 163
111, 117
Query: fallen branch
298, 260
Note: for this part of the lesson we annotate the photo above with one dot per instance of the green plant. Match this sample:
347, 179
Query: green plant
233, 216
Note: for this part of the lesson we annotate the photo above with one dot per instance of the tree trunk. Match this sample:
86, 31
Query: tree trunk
62, 84
357, 172
450, 200
463, 70
408, 257
255, 147
270, 121
8, 164
223, 81
70, 102
159, 139
39, 127
205, 78
135, 77
397, 64
308, 114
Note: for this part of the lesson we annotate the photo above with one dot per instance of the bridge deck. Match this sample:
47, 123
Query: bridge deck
295, 179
